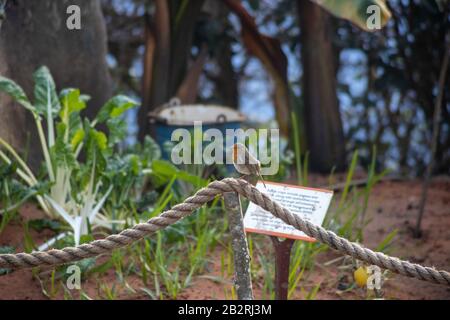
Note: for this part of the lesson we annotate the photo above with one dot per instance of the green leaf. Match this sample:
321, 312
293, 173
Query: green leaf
5, 250
115, 107
96, 148
134, 164
111, 114
62, 152
100, 139
42, 224
45, 95
71, 102
102, 268
16, 92
387, 241
356, 11
348, 180
151, 150
164, 168
117, 128
86, 238
77, 138
196, 181
8, 170
163, 172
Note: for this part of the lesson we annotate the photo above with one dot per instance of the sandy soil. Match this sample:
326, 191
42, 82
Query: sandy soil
393, 205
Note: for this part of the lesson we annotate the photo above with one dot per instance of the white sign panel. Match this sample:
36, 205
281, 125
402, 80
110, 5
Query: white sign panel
310, 204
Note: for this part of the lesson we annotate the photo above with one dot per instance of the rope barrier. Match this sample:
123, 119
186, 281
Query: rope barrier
70, 254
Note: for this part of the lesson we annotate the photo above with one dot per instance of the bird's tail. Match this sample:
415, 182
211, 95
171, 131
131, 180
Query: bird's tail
259, 173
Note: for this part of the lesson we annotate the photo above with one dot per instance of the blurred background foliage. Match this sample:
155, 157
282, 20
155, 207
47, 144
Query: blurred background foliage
386, 80
347, 88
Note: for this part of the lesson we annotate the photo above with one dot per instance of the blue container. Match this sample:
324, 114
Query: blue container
171, 117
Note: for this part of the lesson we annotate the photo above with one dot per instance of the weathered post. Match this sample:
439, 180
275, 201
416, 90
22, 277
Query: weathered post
282, 263
243, 280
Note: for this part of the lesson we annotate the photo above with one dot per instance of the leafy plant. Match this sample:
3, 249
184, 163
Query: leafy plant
76, 194
3, 250
12, 193
130, 173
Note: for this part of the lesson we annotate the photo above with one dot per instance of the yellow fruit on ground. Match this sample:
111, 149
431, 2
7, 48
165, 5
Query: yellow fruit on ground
361, 276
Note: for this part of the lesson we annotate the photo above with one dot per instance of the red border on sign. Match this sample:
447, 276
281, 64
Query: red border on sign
295, 186
287, 235
281, 235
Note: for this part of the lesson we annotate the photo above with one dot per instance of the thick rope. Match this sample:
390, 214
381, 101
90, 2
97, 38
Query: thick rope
215, 188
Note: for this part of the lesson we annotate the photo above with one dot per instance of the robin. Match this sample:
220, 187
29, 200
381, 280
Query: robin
245, 163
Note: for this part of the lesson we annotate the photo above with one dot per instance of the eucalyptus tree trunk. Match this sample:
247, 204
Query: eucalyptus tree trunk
168, 48
325, 137
34, 33
226, 82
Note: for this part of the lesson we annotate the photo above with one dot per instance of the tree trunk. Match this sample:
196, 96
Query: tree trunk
173, 34
325, 137
225, 79
227, 82
33, 34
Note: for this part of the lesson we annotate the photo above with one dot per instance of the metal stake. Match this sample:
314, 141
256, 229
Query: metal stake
282, 263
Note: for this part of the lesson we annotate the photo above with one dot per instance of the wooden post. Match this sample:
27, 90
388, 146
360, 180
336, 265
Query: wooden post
243, 280
434, 140
282, 263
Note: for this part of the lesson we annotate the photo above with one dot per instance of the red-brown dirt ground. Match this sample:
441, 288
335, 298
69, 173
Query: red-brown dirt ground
392, 205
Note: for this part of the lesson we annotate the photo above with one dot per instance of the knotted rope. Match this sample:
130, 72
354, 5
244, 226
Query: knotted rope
204, 195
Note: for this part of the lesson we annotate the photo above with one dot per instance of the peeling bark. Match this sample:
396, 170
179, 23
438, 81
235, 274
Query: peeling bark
325, 135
